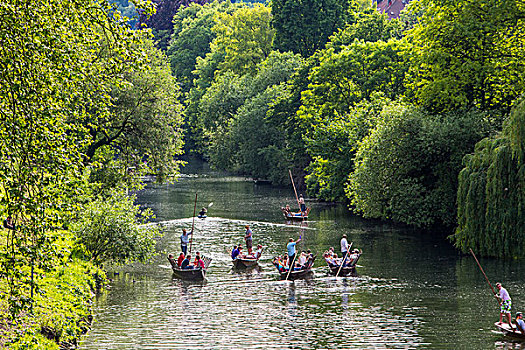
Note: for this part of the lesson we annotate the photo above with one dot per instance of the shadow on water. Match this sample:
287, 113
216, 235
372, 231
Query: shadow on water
412, 289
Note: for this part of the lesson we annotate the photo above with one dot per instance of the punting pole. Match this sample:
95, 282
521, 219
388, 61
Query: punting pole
483, 272
193, 223
343, 261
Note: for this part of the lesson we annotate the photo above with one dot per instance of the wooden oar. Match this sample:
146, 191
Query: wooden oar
483, 272
193, 223
343, 261
291, 267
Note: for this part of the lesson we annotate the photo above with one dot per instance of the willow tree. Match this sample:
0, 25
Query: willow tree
491, 194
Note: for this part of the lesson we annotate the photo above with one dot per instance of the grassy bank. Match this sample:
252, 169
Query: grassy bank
63, 297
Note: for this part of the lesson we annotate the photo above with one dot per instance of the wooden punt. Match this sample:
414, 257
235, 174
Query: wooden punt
298, 274
198, 274
295, 215
507, 331
246, 262
345, 270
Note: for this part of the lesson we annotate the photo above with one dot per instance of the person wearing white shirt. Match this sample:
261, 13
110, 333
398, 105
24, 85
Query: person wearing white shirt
344, 246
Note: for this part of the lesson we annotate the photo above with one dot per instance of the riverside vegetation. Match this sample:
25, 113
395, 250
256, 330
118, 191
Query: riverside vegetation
418, 120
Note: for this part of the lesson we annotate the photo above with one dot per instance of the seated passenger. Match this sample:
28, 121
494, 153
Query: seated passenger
258, 252
199, 263
180, 259
203, 211
186, 263
235, 252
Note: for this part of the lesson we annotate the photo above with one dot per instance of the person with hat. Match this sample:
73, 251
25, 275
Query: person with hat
520, 323
505, 303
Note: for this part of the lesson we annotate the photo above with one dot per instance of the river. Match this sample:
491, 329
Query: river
413, 290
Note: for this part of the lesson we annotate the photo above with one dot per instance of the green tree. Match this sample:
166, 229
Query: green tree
245, 36
59, 62
143, 133
338, 83
249, 142
191, 38
490, 197
110, 230
406, 169
468, 54
305, 26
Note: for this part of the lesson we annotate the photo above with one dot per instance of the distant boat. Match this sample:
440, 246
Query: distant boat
295, 215
345, 270
297, 274
198, 274
204, 216
506, 330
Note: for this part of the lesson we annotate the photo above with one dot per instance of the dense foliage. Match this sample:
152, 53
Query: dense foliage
87, 105
491, 199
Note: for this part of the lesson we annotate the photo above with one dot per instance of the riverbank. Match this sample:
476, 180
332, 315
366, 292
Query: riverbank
62, 307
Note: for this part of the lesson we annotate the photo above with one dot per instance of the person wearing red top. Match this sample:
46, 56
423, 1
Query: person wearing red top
180, 259
198, 261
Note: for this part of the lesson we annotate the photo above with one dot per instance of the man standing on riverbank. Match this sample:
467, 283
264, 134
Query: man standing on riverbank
184, 240
505, 304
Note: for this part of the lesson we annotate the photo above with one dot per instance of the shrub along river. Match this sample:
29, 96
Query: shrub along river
413, 290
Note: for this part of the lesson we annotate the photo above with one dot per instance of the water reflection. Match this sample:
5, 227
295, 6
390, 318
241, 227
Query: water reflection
412, 291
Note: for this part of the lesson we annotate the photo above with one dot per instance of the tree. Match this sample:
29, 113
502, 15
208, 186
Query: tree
249, 142
144, 130
245, 36
468, 54
305, 26
161, 21
490, 197
109, 231
191, 38
339, 82
406, 169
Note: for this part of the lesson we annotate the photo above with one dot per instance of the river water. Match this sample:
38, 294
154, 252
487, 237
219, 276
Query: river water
413, 290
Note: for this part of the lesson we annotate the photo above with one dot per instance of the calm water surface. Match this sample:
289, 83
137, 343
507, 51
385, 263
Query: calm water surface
411, 292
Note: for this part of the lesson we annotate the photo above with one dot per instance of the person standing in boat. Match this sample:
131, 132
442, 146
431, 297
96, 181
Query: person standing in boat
520, 323
184, 240
290, 247
505, 303
302, 204
344, 248
249, 239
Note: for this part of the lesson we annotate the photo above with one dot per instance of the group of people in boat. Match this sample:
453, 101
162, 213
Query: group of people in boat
303, 210
184, 261
248, 239
302, 262
348, 258
505, 303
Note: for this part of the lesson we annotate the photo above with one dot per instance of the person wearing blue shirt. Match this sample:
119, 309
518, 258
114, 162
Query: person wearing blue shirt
291, 250
235, 252
520, 323
186, 263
